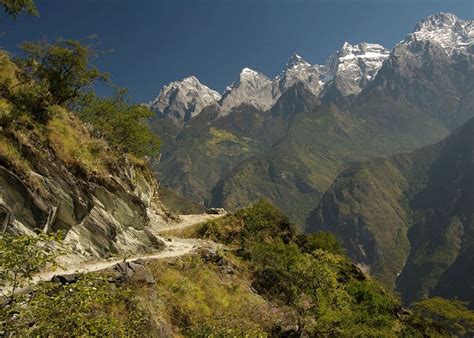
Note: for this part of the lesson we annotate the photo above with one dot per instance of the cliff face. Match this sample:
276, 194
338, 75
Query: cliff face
58, 175
100, 213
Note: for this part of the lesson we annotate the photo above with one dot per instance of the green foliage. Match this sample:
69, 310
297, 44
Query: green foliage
91, 306
260, 222
15, 7
326, 241
124, 125
202, 301
49, 74
311, 284
29, 98
63, 67
451, 316
22, 256
308, 273
263, 220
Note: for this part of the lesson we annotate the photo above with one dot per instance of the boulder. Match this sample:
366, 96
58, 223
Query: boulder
132, 271
216, 211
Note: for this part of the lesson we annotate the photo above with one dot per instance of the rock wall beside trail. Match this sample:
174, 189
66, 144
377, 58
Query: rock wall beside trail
99, 216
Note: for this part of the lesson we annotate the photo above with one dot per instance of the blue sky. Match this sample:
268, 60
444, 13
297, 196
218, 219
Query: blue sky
154, 42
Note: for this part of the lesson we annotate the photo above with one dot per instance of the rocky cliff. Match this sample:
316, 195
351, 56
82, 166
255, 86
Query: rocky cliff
56, 175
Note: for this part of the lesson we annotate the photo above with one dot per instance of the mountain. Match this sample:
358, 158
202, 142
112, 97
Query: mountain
352, 68
252, 88
409, 218
182, 100
299, 71
447, 30
289, 137
428, 76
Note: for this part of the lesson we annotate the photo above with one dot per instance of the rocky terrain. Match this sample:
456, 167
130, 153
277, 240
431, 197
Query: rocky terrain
56, 176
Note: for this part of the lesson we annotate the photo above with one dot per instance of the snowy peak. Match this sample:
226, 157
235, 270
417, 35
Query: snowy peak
298, 70
446, 29
251, 87
248, 73
182, 100
353, 66
296, 61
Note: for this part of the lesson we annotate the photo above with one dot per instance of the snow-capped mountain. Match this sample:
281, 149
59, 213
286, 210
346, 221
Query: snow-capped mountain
251, 87
352, 67
298, 70
344, 74
445, 29
182, 100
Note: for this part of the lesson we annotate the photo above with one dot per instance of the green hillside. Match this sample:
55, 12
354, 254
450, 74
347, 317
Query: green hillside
409, 217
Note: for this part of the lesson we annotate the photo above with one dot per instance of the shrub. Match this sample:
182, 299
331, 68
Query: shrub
91, 306
122, 124
451, 316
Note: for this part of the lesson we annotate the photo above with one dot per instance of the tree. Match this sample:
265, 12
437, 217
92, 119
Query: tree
20, 258
452, 316
63, 67
320, 240
15, 7
122, 124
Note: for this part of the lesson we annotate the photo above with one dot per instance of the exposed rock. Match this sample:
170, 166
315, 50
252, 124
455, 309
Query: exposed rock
135, 271
65, 279
182, 100
216, 211
98, 215
251, 88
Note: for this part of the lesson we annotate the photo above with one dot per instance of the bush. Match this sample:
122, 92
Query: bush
320, 240
122, 124
91, 306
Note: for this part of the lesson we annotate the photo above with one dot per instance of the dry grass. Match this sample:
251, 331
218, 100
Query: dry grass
197, 298
73, 144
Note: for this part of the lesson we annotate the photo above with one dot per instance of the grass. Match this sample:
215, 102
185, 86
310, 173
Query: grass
73, 144
10, 154
199, 298
223, 143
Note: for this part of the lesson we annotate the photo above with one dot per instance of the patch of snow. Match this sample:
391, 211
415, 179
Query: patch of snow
445, 29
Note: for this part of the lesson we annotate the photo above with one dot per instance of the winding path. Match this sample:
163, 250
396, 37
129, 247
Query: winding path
174, 247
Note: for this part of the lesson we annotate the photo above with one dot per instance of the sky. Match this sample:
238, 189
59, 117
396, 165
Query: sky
150, 43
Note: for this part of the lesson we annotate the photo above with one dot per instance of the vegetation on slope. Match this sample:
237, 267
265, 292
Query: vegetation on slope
267, 280
311, 276
409, 217
38, 94
178, 204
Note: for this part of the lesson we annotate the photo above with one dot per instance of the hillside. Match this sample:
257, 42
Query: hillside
257, 276
56, 175
409, 218
315, 120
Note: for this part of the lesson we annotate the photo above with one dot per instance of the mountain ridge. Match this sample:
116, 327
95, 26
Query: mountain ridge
409, 98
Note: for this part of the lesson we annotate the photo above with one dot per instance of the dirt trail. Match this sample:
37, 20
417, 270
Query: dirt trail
173, 247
